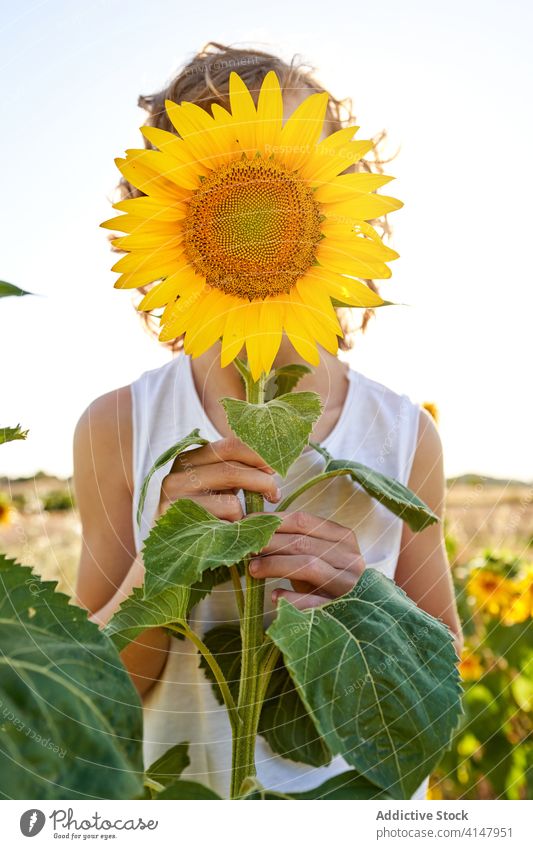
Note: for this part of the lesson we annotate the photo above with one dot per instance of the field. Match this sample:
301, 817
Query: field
489, 533
479, 515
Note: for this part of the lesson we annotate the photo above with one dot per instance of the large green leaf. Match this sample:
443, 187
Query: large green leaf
347, 785
188, 540
283, 379
277, 430
193, 438
378, 676
395, 496
8, 434
168, 768
7, 289
71, 719
284, 723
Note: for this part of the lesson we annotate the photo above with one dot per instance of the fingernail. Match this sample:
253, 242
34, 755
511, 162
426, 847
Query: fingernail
277, 495
254, 566
275, 596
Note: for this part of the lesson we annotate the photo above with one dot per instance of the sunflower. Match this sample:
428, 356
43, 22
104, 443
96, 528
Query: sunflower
492, 591
249, 228
470, 665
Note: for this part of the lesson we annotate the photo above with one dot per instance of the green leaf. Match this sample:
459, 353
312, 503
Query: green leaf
169, 607
284, 723
136, 614
393, 495
188, 540
170, 765
7, 289
278, 430
187, 790
71, 721
8, 434
347, 785
378, 676
283, 380
193, 438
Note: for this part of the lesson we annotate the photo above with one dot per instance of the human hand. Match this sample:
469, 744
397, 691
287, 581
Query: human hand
212, 475
321, 559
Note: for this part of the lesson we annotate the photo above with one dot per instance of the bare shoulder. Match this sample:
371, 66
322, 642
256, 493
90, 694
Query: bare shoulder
103, 436
427, 472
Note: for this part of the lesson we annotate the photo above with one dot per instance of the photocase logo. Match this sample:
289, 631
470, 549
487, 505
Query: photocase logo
32, 822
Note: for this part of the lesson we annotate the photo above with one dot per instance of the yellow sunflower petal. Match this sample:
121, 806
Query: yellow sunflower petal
253, 338
135, 224
363, 208
199, 131
244, 114
343, 237
333, 155
139, 171
201, 335
271, 323
339, 258
317, 329
269, 114
171, 145
158, 262
302, 130
234, 330
351, 292
318, 300
148, 241
299, 337
152, 209
182, 177
348, 186
184, 282
176, 319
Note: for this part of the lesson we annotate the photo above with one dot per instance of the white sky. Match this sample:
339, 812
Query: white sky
452, 83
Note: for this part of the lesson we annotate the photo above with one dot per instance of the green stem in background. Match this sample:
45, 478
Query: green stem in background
186, 631
250, 687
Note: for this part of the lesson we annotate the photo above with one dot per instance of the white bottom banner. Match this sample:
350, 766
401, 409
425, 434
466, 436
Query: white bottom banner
342, 825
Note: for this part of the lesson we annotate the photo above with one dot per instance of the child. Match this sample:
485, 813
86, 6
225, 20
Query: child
328, 537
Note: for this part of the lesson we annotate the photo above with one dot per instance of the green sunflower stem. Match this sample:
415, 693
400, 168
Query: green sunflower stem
251, 687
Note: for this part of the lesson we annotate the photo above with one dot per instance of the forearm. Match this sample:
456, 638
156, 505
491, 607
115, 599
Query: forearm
144, 657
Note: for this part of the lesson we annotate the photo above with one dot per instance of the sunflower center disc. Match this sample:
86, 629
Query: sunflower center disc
252, 228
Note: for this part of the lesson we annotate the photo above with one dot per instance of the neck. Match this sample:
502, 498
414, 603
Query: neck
218, 382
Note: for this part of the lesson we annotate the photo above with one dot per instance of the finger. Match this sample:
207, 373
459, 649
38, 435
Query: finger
230, 449
218, 477
300, 522
302, 601
336, 554
321, 575
221, 504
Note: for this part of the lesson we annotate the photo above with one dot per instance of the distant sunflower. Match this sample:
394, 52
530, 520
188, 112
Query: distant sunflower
250, 226
6, 510
491, 590
470, 666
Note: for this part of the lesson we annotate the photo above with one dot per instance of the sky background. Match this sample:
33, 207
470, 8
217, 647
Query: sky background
451, 82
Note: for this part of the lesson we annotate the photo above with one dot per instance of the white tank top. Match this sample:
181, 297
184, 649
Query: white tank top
377, 427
